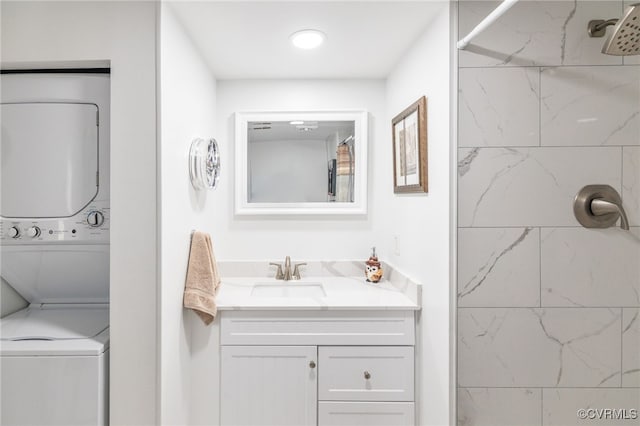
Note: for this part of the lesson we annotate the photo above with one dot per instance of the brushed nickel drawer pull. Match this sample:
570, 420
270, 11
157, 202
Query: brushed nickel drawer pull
367, 375
312, 364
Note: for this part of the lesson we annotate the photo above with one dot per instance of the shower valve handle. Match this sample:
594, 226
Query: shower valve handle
599, 206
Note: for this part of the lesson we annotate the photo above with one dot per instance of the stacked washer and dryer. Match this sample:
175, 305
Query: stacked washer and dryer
54, 247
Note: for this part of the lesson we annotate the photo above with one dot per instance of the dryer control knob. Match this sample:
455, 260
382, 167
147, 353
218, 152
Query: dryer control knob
14, 232
33, 232
95, 219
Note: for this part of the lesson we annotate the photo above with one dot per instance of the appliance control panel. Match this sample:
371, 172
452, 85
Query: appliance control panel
90, 225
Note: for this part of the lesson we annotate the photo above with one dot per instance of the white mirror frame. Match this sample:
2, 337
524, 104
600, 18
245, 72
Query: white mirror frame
357, 207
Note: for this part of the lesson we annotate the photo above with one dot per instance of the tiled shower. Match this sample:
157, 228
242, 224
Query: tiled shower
548, 311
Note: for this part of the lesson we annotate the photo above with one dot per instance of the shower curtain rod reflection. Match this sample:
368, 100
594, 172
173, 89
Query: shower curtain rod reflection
486, 22
349, 139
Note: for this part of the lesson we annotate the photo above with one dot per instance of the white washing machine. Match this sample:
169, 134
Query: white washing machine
54, 247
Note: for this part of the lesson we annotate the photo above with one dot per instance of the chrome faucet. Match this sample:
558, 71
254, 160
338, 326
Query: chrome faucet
287, 275
287, 268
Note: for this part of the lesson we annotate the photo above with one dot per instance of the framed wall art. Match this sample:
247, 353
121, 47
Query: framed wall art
410, 149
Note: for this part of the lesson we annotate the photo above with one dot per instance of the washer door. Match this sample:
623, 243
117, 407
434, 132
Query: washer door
49, 159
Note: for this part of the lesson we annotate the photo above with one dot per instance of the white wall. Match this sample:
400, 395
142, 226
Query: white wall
309, 238
187, 111
421, 223
124, 34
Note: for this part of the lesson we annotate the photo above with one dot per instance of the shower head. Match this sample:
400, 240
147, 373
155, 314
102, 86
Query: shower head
625, 39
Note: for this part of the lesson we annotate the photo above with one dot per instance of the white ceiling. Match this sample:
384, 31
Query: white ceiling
365, 39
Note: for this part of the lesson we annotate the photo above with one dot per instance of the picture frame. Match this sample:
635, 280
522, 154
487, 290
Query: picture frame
409, 137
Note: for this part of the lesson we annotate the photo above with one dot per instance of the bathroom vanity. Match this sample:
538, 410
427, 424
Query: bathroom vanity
327, 350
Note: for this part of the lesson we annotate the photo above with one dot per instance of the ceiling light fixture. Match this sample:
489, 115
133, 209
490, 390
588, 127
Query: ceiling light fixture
295, 123
307, 127
307, 39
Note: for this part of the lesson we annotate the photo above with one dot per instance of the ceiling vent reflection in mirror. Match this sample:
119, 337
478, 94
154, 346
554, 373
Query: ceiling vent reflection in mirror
302, 162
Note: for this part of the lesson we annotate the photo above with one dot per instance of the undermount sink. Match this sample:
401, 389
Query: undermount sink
288, 289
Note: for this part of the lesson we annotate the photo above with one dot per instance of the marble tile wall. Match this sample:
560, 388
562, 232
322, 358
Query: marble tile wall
548, 311
631, 347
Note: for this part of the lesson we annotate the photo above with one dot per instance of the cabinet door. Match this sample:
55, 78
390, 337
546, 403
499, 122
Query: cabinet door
268, 385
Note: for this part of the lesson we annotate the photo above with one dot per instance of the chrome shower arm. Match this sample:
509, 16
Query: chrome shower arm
598, 27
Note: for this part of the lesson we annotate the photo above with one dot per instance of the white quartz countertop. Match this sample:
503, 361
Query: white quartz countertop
340, 293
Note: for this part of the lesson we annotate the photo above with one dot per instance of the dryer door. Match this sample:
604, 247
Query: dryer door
49, 159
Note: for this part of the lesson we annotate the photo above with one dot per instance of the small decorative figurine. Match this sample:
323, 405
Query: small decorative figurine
373, 271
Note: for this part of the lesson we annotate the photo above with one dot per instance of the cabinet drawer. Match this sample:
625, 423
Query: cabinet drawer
366, 414
365, 328
365, 373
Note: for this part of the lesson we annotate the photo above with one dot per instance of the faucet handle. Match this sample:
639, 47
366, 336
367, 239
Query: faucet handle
279, 274
600, 207
296, 270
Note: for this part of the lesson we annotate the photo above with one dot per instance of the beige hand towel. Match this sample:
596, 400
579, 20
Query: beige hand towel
202, 278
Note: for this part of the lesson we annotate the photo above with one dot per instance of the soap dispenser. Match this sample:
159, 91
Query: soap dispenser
372, 270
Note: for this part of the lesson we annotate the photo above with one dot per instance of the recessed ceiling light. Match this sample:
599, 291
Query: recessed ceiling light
295, 123
307, 39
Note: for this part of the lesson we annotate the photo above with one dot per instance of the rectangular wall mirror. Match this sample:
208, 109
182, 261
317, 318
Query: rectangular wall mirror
301, 162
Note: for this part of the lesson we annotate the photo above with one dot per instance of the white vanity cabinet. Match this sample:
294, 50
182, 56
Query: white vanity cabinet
324, 368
